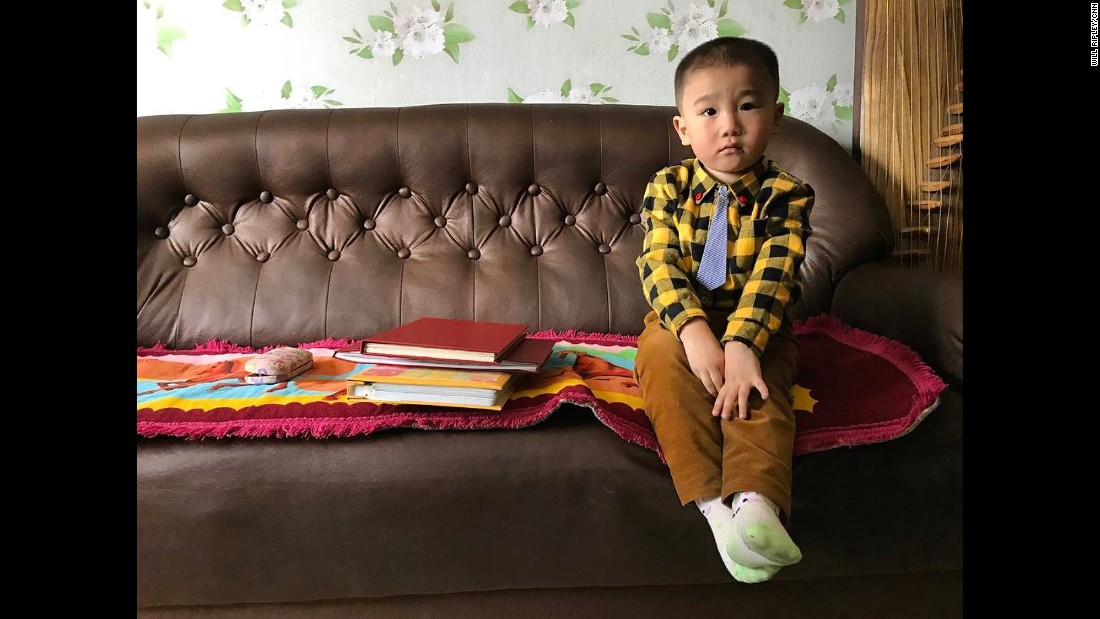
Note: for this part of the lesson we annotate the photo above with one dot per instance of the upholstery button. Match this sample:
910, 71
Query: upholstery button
635, 219
302, 224
369, 224
228, 229
189, 261
334, 255
471, 188
600, 189
536, 251
190, 199
570, 220
504, 221
161, 232
604, 248
440, 222
473, 254
332, 194
404, 192
266, 197
262, 256
403, 253
534, 190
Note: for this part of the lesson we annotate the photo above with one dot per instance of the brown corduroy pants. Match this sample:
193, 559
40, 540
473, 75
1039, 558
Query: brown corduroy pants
709, 456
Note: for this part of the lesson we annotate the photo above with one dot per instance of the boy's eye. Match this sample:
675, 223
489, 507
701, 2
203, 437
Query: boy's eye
710, 111
749, 106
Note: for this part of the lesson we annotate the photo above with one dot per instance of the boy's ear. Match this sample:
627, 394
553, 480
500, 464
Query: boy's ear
779, 107
681, 129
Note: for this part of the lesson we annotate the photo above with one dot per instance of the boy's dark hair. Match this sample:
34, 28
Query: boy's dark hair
727, 52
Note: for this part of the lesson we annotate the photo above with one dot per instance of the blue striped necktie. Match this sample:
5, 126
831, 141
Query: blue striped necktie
713, 268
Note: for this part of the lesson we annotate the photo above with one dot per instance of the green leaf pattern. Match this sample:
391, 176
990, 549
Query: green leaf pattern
594, 93
263, 12
673, 30
417, 31
817, 11
313, 97
546, 13
167, 34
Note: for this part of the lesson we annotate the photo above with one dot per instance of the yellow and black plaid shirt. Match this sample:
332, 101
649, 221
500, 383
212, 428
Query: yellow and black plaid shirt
766, 244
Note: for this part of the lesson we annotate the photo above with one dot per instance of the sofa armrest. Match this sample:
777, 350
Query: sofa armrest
923, 309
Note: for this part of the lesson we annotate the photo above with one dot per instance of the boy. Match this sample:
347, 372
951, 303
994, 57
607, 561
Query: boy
725, 236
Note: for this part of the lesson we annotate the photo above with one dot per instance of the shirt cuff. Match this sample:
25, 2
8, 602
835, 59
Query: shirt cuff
677, 322
751, 334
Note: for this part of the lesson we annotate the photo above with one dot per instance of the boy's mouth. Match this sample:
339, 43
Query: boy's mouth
732, 148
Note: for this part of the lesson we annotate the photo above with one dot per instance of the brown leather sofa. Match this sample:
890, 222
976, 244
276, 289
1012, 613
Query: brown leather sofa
293, 226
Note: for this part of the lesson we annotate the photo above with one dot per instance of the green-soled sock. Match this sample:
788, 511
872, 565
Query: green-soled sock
720, 518
759, 538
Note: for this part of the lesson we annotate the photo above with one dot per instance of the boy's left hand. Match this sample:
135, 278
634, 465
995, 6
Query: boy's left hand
742, 374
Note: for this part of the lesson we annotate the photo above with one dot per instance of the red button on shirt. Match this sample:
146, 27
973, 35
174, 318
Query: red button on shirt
699, 196
742, 199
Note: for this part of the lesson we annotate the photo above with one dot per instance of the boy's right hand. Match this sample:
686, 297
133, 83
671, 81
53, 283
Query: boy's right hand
705, 356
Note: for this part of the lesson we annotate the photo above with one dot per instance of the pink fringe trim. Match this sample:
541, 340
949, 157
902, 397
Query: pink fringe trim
586, 337
218, 347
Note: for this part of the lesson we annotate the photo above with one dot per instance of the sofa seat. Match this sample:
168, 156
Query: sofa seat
566, 503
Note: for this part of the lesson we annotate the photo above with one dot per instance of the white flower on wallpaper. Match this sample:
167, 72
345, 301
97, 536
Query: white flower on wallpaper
817, 11
842, 95
674, 30
263, 12
809, 102
165, 34
306, 98
418, 32
584, 93
821, 106
546, 13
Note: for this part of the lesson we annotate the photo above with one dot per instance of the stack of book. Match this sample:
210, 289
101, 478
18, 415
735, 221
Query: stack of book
444, 362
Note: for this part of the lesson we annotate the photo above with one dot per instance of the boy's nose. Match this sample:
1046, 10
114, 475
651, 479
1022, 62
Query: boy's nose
731, 126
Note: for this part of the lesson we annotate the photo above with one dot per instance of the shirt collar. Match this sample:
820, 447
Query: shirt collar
748, 185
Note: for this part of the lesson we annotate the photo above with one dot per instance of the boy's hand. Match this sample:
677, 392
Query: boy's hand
742, 374
704, 354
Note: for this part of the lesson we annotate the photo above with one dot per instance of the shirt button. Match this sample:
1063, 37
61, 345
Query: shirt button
698, 196
742, 199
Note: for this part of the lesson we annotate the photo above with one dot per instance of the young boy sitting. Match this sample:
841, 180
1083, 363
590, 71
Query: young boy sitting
726, 233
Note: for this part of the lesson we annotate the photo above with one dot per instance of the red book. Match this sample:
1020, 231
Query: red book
527, 356
448, 338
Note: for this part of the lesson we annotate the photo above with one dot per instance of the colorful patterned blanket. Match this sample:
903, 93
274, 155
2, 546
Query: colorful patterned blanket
853, 388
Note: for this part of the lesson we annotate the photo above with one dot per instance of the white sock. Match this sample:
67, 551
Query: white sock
758, 538
720, 518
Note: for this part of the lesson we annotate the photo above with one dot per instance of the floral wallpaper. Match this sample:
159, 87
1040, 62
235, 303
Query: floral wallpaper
207, 56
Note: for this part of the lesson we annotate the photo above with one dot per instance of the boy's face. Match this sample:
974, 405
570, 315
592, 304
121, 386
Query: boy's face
727, 116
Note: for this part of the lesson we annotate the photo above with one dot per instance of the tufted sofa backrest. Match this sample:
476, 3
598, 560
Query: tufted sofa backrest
296, 225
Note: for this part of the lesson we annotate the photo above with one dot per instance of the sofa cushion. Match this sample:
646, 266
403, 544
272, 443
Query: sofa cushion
563, 504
